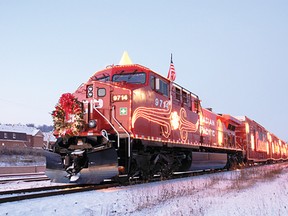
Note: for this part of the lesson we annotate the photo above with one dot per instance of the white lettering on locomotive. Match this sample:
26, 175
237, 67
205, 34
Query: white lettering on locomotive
207, 121
207, 131
162, 104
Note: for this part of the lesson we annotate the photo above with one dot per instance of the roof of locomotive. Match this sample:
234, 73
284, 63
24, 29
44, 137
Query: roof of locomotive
249, 120
110, 70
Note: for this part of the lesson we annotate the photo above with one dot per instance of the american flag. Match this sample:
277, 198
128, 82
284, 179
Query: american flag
171, 73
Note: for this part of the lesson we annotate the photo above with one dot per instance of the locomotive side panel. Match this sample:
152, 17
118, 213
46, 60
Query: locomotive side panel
170, 120
208, 128
186, 108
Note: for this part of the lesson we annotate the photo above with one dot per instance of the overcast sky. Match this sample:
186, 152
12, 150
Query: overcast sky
233, 54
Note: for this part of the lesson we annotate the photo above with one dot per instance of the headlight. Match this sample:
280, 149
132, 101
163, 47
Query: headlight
92, 123
89, 91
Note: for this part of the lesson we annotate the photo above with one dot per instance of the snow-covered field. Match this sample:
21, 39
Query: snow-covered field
20, 160
255, 191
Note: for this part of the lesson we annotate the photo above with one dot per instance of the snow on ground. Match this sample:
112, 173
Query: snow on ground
21, 160
255, 191
23, 185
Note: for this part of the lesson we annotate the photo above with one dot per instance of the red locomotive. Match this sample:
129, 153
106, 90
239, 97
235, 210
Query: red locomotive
130, 121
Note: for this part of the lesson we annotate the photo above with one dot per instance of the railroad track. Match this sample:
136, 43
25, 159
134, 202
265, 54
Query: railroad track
21, 174
32, 193
24, 179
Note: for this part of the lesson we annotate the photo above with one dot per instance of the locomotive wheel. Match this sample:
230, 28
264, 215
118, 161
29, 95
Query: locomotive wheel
134, 169
234, 162
186, 162
162, 165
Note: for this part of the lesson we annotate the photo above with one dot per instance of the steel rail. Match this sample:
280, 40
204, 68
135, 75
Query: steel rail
28, 179
17, 195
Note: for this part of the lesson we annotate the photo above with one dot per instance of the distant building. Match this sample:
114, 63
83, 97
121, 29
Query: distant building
21, 135
49, 139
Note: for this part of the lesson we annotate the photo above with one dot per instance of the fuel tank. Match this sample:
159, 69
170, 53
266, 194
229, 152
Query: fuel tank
208, 160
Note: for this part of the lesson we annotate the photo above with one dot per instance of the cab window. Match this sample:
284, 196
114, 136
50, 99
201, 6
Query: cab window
159, 85
104, 79
101, 77
178, 93
184, 97
133, 78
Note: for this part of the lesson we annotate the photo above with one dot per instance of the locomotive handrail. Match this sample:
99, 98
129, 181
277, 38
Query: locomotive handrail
118, 137
193, 94
128, 135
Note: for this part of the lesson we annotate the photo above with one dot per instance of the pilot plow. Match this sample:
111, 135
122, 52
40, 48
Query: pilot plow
82, 166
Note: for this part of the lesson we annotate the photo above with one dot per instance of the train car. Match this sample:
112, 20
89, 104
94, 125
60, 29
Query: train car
260, 146
284, 148
278, 149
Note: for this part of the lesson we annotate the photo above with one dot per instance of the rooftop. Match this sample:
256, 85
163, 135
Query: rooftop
19, 128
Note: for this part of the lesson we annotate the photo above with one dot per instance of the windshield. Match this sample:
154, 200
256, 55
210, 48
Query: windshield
136, 78
104, 78
101, 77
